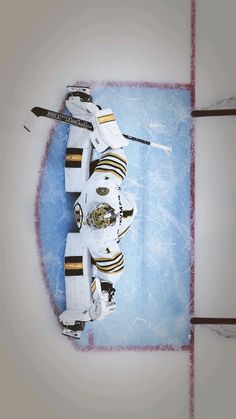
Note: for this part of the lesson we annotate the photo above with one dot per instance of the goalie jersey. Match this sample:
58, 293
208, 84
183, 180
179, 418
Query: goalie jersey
104, 213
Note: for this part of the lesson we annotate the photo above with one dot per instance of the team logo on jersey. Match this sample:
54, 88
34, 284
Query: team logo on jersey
102, 191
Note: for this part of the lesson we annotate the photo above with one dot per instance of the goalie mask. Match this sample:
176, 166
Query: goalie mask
102, 216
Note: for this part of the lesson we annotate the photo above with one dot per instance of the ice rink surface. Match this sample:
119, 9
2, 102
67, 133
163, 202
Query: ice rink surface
50, 45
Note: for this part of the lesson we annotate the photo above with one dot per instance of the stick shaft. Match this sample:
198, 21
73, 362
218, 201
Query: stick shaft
146, 142
38, 111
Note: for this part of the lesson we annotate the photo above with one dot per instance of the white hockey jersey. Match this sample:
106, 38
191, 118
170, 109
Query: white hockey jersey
103, 187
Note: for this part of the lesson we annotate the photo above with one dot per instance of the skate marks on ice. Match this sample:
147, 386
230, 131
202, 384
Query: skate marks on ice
153, 294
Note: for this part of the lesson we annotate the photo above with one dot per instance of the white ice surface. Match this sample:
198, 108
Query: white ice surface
46, 45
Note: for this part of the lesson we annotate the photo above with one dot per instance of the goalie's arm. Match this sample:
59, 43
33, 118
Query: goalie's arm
109, 267
109, 261
112, 165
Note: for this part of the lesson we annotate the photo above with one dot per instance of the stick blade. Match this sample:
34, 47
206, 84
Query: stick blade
30, 121
38, 111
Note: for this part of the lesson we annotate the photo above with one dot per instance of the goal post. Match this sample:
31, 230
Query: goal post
213, 320
223, 107
212, 112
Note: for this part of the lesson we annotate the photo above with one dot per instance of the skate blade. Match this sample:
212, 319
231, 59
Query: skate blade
71, 333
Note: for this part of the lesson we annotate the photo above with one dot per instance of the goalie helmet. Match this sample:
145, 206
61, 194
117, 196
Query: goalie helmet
102, 216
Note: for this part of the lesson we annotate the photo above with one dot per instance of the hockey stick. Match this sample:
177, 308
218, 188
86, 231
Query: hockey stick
139, 140
213, 112
38, 111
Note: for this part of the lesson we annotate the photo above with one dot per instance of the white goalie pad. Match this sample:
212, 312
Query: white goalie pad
77, 159
77, 281
108, 130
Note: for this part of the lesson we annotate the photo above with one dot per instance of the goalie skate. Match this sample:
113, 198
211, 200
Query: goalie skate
74, 331
82, 91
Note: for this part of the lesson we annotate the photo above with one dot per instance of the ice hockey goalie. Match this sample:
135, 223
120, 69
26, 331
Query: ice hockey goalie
103, 213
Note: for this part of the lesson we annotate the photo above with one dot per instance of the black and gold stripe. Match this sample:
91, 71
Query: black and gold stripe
73, 157
110, 265
93, 286
73, 266
113, 163
117, 156
108, 259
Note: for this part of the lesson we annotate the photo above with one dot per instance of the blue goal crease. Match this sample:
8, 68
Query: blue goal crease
153, 294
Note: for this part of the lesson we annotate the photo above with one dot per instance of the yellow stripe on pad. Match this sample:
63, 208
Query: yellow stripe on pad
71, 265
73, 157
106, 118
